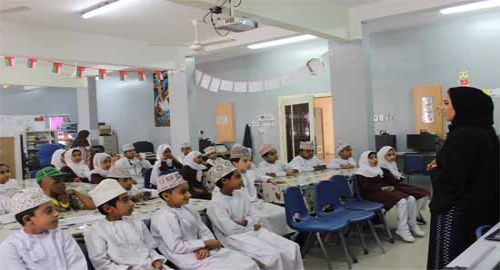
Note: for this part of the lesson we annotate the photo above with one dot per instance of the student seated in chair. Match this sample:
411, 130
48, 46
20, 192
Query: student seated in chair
183, 237
75, 167
8, 186
53, 185
39, 244
122, 175
272, 216
134, 162
193, 172
212, 156
237, 225
344, 159
185, 149
306, 161
377, 187
119, 241
102, 164
271, 165
387, 161
165, 163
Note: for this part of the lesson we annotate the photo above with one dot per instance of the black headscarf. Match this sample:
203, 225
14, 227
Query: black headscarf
472, 107
81, 139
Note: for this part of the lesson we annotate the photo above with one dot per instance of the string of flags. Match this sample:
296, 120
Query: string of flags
313, 67
79, 70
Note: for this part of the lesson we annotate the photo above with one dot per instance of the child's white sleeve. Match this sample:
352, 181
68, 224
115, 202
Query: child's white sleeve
73, 253
98, 252
219, 216
10, 258
151, 244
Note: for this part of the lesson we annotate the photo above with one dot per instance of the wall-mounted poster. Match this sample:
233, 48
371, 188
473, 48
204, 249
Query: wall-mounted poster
162, 100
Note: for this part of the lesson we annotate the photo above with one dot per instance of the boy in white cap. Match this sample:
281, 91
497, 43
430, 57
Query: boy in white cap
344, 159
124, 178
273, 216
306, 161
39, 244
211, 154
237, 226
134, 162
119, 241
182, 236
271, 165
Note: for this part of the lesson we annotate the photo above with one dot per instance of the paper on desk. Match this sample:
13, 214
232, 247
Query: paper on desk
80, 219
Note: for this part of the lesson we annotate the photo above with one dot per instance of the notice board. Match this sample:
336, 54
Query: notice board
7, 154
224, 119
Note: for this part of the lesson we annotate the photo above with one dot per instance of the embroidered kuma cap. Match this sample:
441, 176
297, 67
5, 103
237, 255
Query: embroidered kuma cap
306, 146
220, 169
169, 181
27, 199
265, 148
240, 151
128, 147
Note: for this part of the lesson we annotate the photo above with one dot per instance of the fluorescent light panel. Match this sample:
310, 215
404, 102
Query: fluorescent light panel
280, 42
106, 7
471, 7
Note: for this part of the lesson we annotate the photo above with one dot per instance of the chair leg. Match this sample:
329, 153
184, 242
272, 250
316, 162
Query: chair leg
382, 218
376, 237
307, 244
318, 237
365, 248
346, 251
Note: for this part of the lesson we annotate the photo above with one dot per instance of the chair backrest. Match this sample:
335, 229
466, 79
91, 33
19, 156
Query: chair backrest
481, 230
327, 198
414, 164
295, 207
45, 152
355, 187
342, 186
144, 147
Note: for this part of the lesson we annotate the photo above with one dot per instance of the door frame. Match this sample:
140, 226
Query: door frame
296, 99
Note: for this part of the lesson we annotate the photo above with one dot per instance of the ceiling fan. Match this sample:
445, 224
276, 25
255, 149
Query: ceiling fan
196, 47
13, 10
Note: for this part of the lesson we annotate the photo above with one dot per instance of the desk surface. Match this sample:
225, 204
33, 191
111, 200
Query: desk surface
75, 222
483, 254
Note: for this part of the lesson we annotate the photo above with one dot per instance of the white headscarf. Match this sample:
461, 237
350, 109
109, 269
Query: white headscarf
159, 154
365, 169
195, 166
98, 159
80, 169
57, 159
383, 163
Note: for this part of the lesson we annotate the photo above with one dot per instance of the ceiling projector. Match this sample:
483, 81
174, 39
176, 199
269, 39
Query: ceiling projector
235, 24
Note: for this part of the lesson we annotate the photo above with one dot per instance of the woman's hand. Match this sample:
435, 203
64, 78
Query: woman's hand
431, 165
388, 188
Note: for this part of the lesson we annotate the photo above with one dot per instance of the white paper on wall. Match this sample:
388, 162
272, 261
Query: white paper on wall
222, 120
198, 75
286, 80
272, 84
255, 86
240, 87
226, 85
428, 110
205, 82
214, 86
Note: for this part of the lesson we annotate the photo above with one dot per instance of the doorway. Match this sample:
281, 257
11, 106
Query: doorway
306, 118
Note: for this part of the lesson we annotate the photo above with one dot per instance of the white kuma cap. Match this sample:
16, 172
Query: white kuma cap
107, 190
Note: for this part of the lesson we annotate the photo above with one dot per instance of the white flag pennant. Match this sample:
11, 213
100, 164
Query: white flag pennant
198, 75
255, 86
240, 87
214, 86
226, 85
272, 84
205, 82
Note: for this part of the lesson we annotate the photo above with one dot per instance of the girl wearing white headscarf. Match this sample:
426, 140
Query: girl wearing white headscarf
102, 163
75, 166
376, 187
192, 172
58, 159
165, 162
344, 158
387, 161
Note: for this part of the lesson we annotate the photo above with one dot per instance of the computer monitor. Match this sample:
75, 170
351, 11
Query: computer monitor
385, 140
421, 142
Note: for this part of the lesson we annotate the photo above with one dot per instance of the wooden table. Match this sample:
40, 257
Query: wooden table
483, 254
75, 222
307, 181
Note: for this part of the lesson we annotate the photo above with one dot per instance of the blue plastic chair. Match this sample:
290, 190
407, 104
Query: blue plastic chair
414, 164
299, 219
328, 203
45, 152
356, 202
481, 230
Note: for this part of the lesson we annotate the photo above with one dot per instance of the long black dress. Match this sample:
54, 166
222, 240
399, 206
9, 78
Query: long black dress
466, 179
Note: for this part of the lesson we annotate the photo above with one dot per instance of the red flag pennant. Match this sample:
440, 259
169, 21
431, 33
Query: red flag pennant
9, 61
56, 67
102, 74
31, 63
79, 71
123, 75
159, 75
142, 75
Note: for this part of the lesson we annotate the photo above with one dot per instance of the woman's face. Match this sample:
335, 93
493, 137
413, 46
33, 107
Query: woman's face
390, 156
76, 156
447, 109
167, 153
372, 160
4, 174
198, 160
106, 163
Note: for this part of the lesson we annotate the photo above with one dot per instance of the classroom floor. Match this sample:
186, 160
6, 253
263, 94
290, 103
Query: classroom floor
399, 255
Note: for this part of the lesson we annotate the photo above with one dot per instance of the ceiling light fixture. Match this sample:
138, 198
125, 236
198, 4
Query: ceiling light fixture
280, 42
105, 7
471, 7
